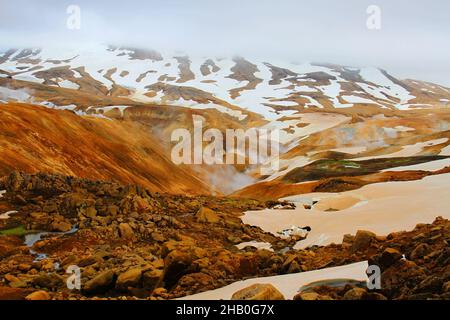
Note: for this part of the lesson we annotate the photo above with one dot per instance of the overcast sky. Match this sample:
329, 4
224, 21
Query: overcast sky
413, 42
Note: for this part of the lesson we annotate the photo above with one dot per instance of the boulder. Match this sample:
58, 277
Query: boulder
158, 236
19, 284
130, 278
307, 296
348, 238
60, 226
49, 281
74, 200
194, 282
446, 287
100, 283
355, 294
113, 210
14, 181
430, 284
158, 264
90, 212
389, 257
152, 279
294, 267
419, 251
140, 204
233, 239
87, 261
248, 264
287, 262
160, 292
403, 273
176, 264
8, 293
258, 292
50, 207
374, 296
362, 240
11, 278
38, 295
38, 215
24, 267
125, 231
206, 215
311, 296
69, 260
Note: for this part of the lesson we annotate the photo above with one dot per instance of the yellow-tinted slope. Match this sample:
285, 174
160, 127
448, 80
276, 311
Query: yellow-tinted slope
34, 138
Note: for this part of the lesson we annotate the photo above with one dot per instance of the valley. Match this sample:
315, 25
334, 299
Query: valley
87, 173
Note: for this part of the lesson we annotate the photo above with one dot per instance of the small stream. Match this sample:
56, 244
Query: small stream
32, 238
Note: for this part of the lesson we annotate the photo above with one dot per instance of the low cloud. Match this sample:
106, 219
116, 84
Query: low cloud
412, 42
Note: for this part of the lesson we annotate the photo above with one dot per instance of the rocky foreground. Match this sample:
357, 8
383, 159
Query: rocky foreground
129, 243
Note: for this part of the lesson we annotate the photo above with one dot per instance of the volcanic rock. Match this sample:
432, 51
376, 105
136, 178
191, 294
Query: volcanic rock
130, 278
258, 292
101, 283
38, 295
206, 215
362, 240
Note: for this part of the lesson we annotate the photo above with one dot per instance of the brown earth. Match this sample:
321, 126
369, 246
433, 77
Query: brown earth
132, 243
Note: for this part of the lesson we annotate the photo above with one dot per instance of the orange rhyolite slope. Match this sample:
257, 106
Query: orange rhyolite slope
36, 139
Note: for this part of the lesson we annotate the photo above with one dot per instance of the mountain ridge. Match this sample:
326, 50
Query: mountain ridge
234, 86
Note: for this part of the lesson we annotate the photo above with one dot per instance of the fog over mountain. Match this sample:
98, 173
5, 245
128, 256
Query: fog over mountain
206, 149
412, 42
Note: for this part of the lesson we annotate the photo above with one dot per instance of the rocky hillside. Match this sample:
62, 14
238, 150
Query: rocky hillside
36, 139
414, 265
132, 243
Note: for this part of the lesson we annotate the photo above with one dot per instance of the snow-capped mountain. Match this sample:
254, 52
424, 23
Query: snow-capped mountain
235, 86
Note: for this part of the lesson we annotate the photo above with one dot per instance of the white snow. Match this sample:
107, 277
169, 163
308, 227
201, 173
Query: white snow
255, 244
195, 105
95, 58
51, 105
408, 106
333, 91
385, 207
375, 76
285, 103
288, 284
392, 132
68, 84
6, 215
21, 95
408, 150
445, 151
358, 99
108, 108
350, 150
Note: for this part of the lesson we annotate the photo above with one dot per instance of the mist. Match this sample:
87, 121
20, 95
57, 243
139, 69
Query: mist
413, 41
